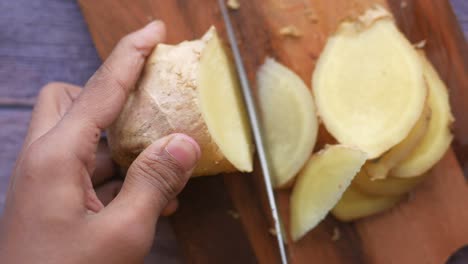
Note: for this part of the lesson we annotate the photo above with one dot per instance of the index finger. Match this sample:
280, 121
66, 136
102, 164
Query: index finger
106, 92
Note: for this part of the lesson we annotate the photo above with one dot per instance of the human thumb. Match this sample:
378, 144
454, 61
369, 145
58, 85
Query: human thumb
156, 176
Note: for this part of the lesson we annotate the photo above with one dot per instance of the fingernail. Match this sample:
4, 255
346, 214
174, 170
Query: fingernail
185, 150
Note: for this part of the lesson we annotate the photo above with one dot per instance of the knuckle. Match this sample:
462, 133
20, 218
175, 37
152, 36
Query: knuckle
107, 76
134, 45
163, 173
130, 41
39, 160
102, 74
57, 89
34, 158
53, 87
50, 89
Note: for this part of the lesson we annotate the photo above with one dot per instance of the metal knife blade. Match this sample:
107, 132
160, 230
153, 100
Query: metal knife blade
256, 129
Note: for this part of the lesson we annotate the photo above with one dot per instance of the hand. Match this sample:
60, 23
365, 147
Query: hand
52, 213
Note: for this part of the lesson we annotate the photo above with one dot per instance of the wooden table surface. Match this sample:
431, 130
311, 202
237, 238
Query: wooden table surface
47, 40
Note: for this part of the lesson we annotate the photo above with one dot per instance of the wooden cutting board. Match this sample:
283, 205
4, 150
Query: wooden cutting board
426, 228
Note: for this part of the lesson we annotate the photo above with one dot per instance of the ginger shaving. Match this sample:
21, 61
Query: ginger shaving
421, 44
310, 15
403, 4
272, 232
233, 4
290, 31
373, 15
233, 214
336, 234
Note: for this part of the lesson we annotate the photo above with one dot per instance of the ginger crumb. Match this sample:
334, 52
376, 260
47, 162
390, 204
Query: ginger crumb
421, 44
290, 31
272, 231
403, 4
233, 214
336, 234
233, 4
311, 16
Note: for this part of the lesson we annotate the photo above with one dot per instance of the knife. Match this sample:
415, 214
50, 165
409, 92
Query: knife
256, 129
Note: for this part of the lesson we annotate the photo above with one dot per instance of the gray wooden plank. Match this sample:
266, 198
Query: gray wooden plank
42, 41
460, 7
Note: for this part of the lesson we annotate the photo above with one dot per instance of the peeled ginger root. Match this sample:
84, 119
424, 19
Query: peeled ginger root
188, 88
368, 84
438, 137
354, 205
288, 118
320, 185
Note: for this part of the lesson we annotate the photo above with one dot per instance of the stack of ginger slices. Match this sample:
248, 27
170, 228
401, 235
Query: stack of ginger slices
380, 99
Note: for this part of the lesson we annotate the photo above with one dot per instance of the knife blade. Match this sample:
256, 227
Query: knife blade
256, 128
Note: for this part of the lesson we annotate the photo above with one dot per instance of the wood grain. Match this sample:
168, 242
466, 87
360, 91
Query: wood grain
427, 228
42, 41
207, 226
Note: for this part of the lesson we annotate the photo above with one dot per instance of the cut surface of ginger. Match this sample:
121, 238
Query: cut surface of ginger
355, 204
438, 137
320, 185
222, 106
389, 186
368, 84
379, 168
288, 119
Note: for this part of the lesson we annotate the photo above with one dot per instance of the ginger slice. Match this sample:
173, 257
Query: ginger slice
222, 107
379, 168
288, 118
354, 205
389, 186
438, 137
368, 84
320, 185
